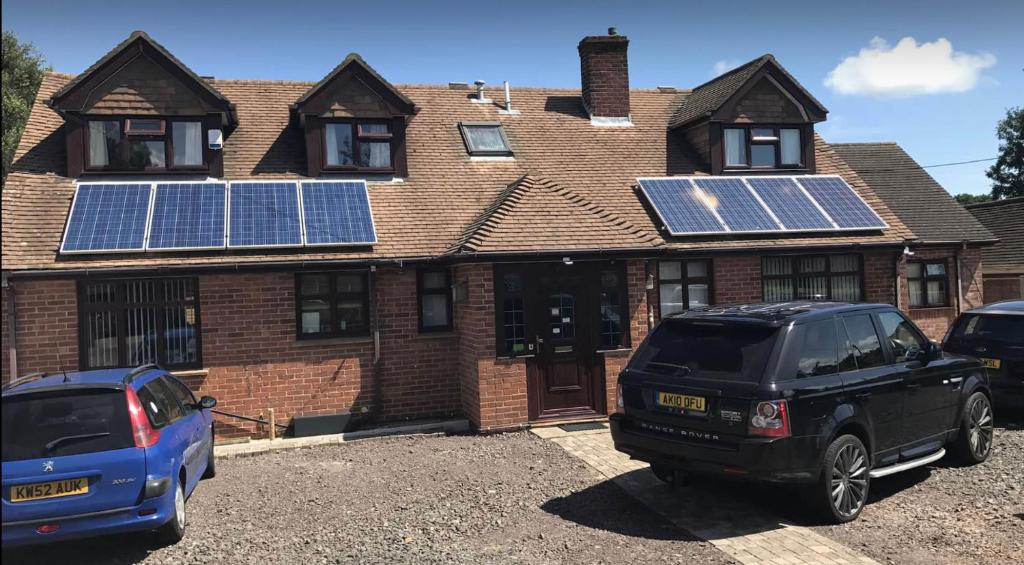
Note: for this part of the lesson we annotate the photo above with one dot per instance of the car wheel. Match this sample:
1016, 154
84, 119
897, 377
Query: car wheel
664, 474
211, 462
974, 441
174, 530
842, 488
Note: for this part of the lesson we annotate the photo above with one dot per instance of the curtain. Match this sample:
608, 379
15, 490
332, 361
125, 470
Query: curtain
98, 144
188, 143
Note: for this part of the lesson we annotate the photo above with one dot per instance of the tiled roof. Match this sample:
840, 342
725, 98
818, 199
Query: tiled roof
923, 205
1005, 219
352, 59
446, 192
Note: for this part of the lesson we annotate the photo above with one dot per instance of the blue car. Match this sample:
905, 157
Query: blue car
101, 452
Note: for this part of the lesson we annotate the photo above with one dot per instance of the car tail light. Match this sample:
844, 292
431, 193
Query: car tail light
145, 435
620, 406
769, 419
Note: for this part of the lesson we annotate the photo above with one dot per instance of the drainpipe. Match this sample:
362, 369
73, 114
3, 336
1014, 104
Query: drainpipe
375, 320
899, 259
12, 329
959, 279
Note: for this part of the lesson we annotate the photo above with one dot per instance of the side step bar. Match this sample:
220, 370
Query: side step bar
900, 467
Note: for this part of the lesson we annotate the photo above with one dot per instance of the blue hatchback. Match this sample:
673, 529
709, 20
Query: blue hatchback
101, 452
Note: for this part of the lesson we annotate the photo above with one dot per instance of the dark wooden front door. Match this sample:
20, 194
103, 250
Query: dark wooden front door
566, 375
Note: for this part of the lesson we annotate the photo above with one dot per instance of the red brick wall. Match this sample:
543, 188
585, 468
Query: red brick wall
605, 75
935, 321
47, 324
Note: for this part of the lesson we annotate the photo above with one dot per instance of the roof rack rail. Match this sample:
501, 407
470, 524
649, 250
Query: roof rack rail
24, 379
138, 371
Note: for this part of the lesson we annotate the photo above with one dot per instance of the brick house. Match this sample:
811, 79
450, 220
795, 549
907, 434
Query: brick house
1004, 261
416, 251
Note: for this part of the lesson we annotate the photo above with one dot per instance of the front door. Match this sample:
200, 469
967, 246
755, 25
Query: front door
566, 374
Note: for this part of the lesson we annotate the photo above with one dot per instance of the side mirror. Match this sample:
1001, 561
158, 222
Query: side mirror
207, 402
934, 350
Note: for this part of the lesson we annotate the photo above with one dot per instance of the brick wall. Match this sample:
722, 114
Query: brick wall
47, 325
935, 321
605, 75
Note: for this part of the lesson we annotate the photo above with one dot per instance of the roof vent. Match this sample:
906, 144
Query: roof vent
458, 86
480, 99
507, 110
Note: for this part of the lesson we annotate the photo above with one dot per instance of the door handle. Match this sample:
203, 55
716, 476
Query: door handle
912, 386
862, 395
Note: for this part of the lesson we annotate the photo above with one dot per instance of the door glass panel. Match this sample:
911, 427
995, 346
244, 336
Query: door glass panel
513, 316
904, 339
864, 341
563, 316
611, 313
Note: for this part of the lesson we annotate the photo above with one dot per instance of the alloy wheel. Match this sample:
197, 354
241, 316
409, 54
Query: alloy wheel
849, 480
179, 507
980, 428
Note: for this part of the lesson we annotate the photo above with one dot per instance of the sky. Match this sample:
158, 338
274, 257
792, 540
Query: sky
935, 76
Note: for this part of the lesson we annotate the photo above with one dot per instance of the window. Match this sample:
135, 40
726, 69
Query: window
864, 341
182, 394
818, 349
358, 145
1002, 330
332, 305
683, 285
926, 282
768, 147
614, 319
134, 322
485, 139
812, 277
435, 300
143, 144
512, 315
32, 424
904, 339
159, 403
725, 353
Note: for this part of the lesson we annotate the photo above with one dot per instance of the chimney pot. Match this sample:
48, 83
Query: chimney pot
613, 31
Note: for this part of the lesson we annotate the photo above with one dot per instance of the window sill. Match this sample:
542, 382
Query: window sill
506, 360
327, 341
619, 352
438, 334
190, 373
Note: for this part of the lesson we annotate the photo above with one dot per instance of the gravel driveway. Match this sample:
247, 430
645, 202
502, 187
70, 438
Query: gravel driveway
468, 499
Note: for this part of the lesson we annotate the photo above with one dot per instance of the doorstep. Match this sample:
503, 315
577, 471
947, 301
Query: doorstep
258, 446
553, 429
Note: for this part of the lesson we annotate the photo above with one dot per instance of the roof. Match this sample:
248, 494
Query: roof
353, 59
906, 188
1004, 219
705, 99
1015, 307
71, 379
773, 313
448, 202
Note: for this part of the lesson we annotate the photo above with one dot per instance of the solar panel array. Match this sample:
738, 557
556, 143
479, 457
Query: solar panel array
191, 216
758, 204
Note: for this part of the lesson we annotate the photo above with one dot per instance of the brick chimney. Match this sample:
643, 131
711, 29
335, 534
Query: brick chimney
605, 74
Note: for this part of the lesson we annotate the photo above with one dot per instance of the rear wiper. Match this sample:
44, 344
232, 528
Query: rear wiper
679, 368
60, 440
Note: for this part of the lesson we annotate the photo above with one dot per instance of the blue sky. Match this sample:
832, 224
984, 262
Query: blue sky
946, 114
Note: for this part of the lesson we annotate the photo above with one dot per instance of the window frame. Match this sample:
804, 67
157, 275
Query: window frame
686, 281
485, 152
794, 275
775, 141
445, 291
625, 324
120, 307
166, 136
332, 297
925, 278
356, 125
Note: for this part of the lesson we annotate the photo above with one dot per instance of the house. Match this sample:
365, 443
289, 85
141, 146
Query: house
943, 266
411, 251
1004, 261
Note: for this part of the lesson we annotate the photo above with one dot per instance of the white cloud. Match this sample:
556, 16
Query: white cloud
908, 69
722, 67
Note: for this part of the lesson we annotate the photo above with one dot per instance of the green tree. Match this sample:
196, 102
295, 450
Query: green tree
1007, 173
22, 73
965, 198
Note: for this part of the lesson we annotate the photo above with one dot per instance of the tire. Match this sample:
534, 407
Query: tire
973, 442
664, 474
211, 461
174, 530
841, 491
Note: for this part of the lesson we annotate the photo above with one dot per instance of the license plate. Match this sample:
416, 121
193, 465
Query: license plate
990, 363
52, 489
682, 402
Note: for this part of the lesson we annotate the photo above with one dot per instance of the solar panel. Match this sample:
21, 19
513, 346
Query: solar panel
264, 214
789, 204
680, 206
107, 217
188, 216
847, 209
736, 205
337, 213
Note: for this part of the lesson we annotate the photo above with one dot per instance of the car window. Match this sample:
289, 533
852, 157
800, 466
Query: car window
847, 355
1003, 329
161, 406
818, 349
182, 393
707, 350
64, 423
864, 340
903, 337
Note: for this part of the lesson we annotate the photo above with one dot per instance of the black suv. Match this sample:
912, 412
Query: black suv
826, 394
995, 334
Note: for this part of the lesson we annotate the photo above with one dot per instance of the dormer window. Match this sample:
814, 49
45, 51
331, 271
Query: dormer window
485, 139
358, 145
763, 147
144, 144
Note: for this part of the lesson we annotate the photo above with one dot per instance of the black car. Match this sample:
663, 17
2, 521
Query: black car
826, 395
995, 334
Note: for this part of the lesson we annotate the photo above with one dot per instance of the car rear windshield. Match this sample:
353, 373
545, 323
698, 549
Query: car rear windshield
707, 350
1003, 329
51, 424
